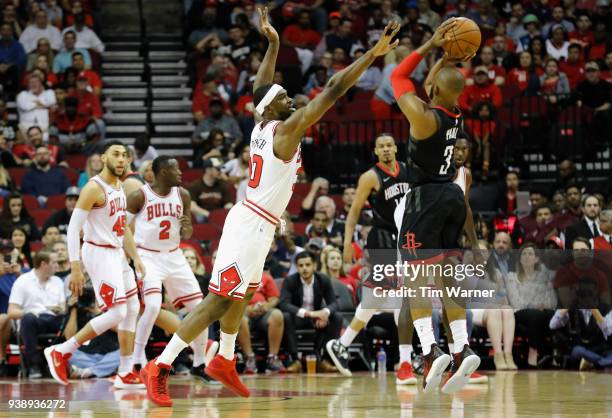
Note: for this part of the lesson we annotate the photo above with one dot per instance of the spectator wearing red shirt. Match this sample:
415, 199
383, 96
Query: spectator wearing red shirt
598, 48
331, 266
263, 316
301, 34
527, 76
24, 153
77, 8
93, 79
496, 73
482, 90
482, 128
573, 67
583, 35
205, 92
89, 103
607, 73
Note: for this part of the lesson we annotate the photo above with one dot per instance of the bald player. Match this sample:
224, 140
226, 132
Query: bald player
435, 209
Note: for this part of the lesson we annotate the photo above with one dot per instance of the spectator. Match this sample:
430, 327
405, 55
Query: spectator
238, 48
371, 78
34, 105
24, 153
502, 47
302, 297
533, 298
557, 45
218, 119
209, 192
506, 201
7, 186
342, 38
146, 172
482, 126
589, 330
594, 92
333, 228
93, 79
607, 74
237, 171
558, 19
143, 150
8, 130
496, 73
9, 15
319, 187
554, 83
501, 259
532, 31
558, 200
38, 301
588, 226
93, 167
40, 29
89, 104
63, 60
50, 236
284, 247
54, 12
573, 208
203, 94
63, 263
198, 269
316, 82
537, 49
43, 48
77, 8
428, 16
544, 227
214, 145
43, 180
383, 99
208, 26
263, 316
86, 38
300, 34
566, 175
604, 241
12, 59
43, 68
76, 131
317, 227
14, 213
481, 90
526, 76
348, 197
583, 35
516, 25
573, 67
332, 267
9, 271
21, 241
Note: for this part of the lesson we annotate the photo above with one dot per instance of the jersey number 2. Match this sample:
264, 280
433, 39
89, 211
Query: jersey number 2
119, 226
165, 228
448, 156
255, 167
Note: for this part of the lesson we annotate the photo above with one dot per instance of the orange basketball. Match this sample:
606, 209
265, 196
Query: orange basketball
463, 40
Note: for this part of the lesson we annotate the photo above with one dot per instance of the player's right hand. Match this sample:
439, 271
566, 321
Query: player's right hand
77, 281
440, 35
265, 27
384, 45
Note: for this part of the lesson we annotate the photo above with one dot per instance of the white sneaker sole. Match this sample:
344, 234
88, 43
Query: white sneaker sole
48, 352
478, 380
462, 376
434, 377
343, 370
410, 381
118, 384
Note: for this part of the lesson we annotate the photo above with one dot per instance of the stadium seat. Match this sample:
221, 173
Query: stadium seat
56, 202
30, 202
206, 232
73, 175
295, 206
217, 217
183, 163
191, 175
299, 228
337, 200
77, 161
40, 216
301, 189
36, 246
17, 174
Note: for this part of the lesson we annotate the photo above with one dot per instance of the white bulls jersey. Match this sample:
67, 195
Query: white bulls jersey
461, 180
271, 180
158, 224
105, 224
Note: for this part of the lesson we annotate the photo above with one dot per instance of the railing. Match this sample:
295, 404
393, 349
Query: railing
146, 73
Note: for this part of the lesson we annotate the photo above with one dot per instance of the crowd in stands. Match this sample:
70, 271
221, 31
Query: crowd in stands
50, 67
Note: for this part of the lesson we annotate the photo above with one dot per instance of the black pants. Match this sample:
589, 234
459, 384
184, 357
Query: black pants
534, 323
31, 327
322, 336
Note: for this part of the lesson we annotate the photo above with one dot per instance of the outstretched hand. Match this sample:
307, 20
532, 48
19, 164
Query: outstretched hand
265, 26
441, 35
384, 45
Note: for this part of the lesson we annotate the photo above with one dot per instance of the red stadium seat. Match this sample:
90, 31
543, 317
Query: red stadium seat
56, 202
36, 246
191, 175
193, 244
40, 216
212, 246
217, 217
206, 232
295, 205
17, 174
337, 200
207, 261
77, 161
182, 162
301, 189
299, 228
73, 176
30, 202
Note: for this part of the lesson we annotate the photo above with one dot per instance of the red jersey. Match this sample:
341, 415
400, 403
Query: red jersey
574, 72
267, 289
475, 93
304, 38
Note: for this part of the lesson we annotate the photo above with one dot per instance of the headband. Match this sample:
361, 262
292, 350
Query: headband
267, 99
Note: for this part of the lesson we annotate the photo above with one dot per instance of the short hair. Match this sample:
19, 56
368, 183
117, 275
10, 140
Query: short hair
583, 240
160, 163
304, 254
586, 197
34, 127
544, 206
42, 256
70, 32
46, 229
575, 46
383, 134
260, 93
74, 54
112, 143
573, 186
142, 142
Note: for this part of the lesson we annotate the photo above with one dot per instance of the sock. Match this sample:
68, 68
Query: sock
174, 347
139, 355
424, 329
69, 346
125, 365
451, 348
459, 330
198, 346
227, 345
86, 373
349, 335
405, 353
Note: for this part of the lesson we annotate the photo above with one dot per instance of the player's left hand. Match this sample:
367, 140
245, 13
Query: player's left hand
185, 221
384, 45
440, 36
140, 269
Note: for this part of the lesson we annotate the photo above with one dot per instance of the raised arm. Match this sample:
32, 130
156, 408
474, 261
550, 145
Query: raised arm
290, 132
265, 73
367, 182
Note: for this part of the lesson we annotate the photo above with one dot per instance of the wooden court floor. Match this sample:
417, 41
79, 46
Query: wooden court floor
508, 394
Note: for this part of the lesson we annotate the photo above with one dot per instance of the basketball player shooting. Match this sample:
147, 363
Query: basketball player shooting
249, 227
101, 213
435, 209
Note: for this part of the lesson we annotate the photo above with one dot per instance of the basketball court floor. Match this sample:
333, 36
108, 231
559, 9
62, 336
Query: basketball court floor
508, 394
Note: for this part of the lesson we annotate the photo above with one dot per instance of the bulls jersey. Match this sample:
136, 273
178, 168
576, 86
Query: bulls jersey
430, 160
271, 179
392, 187
461, 179
105, 224
158, 224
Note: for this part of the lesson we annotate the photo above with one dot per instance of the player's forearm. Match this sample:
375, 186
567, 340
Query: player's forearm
432, 75
265, 73
345, 79
186, 231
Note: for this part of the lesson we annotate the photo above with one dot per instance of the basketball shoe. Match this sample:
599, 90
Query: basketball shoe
435, 363
224, 371
155, 378
130, 380
476, 378
464, 364
405, 375
339, 355
58, 364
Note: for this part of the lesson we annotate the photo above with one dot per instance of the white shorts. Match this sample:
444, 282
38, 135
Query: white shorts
245, 243
171, 269
111, 276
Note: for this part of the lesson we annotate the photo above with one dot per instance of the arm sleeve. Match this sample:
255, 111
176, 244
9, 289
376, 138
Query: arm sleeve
558, 320
77, 220
400, 77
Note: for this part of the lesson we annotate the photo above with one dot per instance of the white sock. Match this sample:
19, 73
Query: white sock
349, 335
69, 346
173, 349
425, 332
405, 353
460, 338
125, 365
227, 345
198, 345
139, 355
451, 348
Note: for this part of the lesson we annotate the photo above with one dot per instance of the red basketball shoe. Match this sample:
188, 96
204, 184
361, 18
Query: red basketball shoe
405, 375
155, 378
224, 371
58, 364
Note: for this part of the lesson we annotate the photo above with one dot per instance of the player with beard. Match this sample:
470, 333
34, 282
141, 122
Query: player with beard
101, 213
383, 186
250, 225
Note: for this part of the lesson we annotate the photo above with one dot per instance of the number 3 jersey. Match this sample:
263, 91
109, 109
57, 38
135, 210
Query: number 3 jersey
271, 179
430, 160
105, 224
158, 224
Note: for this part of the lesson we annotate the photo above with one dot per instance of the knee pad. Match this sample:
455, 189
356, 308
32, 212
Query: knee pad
129, 322
109, 319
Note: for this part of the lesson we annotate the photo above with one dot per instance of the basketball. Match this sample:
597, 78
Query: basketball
464, 39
